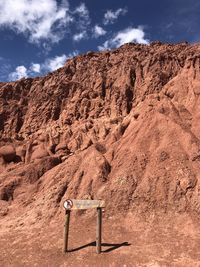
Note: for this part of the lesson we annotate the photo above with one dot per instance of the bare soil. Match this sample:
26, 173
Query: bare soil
158, 241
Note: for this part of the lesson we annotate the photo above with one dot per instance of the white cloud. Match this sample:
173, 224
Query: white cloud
50, 64
55, 63
81, 16
111, 16
79, 36
73, 54
39, 19
126, 36
98, 31
45, 21
82, 10
82, 21
20, 72
35, 67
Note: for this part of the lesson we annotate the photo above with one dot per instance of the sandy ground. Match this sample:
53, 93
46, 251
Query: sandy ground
127, 242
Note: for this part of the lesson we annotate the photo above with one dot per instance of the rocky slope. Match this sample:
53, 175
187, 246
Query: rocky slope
121, 125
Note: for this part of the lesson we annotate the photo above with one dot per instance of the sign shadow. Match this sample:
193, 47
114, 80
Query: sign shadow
110, 246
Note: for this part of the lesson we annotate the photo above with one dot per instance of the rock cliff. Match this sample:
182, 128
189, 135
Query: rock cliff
121, 125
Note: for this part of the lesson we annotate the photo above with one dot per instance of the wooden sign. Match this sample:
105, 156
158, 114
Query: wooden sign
83, 204
74, 204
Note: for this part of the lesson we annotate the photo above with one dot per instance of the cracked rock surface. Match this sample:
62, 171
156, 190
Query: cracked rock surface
120, 125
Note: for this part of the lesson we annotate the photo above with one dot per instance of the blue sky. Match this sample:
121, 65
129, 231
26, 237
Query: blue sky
37, 36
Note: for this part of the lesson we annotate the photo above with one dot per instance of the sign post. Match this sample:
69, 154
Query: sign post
66, 230
99, 230
74, 204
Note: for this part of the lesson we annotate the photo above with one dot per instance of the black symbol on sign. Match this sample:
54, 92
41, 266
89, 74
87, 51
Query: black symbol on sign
68, 204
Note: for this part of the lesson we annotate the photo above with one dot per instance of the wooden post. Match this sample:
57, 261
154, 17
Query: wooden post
66, 230
99, 230
82, 204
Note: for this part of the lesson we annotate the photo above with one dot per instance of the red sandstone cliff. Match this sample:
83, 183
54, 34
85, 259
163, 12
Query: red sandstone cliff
122, 125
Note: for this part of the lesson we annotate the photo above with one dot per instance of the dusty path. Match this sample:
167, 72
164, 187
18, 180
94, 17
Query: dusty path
131, 242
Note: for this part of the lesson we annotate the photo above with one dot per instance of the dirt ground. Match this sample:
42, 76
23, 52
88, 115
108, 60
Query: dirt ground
132, 241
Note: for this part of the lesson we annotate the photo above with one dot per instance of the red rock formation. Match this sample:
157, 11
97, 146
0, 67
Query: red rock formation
122, 125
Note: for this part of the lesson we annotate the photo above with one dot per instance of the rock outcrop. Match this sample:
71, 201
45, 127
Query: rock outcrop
122, 125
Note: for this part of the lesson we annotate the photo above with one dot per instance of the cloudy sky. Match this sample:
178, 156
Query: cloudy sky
37, 36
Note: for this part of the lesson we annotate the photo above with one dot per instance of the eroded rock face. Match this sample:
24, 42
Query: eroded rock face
8, 153
122, 125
